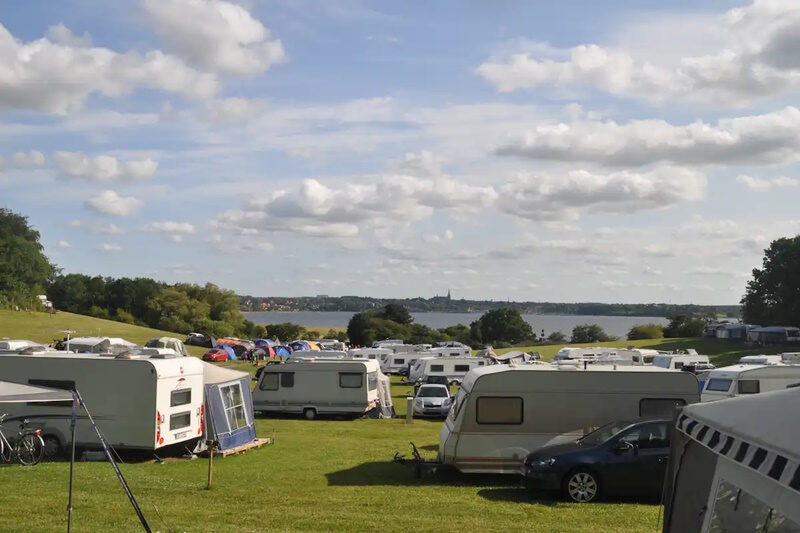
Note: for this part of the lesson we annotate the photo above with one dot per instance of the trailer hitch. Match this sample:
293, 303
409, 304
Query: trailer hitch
421, 466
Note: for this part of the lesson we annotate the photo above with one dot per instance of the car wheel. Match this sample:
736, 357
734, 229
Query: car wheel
310, 414
581, 486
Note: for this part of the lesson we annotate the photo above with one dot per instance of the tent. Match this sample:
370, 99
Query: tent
385, 395
299, 346
228, 350
735, 465
168, 342
314, 346
282, 351
227, 407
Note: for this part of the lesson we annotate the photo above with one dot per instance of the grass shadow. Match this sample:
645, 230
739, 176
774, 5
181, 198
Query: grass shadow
519, 495
390, 473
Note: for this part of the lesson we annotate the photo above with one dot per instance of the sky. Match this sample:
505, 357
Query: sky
619, 151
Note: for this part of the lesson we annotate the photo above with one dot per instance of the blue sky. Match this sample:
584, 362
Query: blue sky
573, 151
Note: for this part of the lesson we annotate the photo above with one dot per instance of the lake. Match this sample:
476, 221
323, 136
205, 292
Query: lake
613, 325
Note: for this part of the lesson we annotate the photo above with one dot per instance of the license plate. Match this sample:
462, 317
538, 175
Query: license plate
181, 435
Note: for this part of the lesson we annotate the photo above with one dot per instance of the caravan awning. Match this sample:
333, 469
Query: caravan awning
18, 393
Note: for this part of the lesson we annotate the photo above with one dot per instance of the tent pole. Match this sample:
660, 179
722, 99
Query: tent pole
72, 460
210, 462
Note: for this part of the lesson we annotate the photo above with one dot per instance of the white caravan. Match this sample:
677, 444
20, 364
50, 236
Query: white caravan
382, 355
318, 387
503, 412
451, 349
453, 368
141, 402
317, 354
13, 345
628, 356
731, 381
678, 361
578, 354
760, 360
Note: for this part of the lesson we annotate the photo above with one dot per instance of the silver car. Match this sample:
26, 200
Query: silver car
432, 400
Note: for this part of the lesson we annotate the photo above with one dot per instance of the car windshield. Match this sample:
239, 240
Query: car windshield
603, 433
433, 392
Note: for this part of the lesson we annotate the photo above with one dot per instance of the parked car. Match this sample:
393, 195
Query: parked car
432, 400
434, 380
626, 456
215, 355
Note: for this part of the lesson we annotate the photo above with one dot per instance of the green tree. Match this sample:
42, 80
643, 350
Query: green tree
286, 332
772, 297
259, 331
557, 337
460, 333
684, 326
586, 333
24, 269
645, 331
396, 313
503, 325
359, 329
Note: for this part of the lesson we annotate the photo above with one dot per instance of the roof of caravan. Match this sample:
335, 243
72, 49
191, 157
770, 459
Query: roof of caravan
91, 341
319, 361
160, 363
16, 344
741, 368
475, 373
743, 417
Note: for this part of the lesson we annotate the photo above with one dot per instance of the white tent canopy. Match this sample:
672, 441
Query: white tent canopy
18, 393
218, 374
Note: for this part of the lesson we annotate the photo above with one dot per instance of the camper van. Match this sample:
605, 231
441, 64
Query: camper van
503, 412
141, 402
578, 354
731, 381
453, 368
318, 387
678, 361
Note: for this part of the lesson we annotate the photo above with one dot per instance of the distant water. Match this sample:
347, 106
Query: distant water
613, 325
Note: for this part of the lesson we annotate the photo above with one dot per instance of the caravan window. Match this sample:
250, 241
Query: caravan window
180, 397
350, 380
437, 368
678, 365
269, 381
287, 379
462, 368
399, 361
749, 386
738, 510
719, 385
372, 380
180, 420
499, 410
234, 406
659, 407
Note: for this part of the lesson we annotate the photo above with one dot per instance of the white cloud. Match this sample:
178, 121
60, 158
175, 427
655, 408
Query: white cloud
711, 271
64, 244
768, 138
214, 35
650, 271
239, 245
109, 248
60, 34
754, 57
766, 184
448, 235
111, 203
104, 168
422, 163
175, 230
612, 284
235, 110
57, 77
107, 229
560, 197
33, 158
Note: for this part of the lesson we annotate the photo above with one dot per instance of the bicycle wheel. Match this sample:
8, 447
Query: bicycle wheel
29, 449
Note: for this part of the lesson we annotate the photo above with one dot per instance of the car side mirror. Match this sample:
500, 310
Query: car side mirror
622, 446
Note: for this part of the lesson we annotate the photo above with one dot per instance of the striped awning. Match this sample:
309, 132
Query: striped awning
755, 456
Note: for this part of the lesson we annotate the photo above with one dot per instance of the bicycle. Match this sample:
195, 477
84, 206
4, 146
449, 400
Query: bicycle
28, 447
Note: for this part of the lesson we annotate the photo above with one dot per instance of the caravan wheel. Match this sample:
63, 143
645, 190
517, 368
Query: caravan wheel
52, 447
310, 414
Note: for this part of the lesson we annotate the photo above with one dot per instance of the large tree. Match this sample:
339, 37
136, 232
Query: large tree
24, 269
502, 325
773, 295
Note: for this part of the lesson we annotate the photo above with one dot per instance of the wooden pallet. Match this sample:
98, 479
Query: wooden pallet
258, 443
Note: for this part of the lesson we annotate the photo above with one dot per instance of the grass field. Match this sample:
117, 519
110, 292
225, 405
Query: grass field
319, 475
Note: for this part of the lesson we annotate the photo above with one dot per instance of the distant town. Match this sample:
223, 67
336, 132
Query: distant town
448, 304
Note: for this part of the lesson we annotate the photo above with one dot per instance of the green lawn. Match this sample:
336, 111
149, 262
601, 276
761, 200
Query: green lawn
319, 475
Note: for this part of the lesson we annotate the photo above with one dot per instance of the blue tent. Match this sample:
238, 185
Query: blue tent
229, 350
282, 351
228, 407
299, 346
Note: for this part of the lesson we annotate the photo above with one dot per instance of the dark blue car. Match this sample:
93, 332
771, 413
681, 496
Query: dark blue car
622, 457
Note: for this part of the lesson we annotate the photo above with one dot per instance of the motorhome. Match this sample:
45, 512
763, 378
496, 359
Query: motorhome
453, 368
318, 387
503, 412
143, 402
735, 380
760, 360
678, 361
578, 354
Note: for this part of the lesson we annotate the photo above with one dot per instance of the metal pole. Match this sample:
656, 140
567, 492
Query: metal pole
210, 462
72, 460
409, 410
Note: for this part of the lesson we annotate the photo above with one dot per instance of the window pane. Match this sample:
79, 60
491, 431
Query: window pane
180, 397
499, 410
719, 385
737, 510
349, 380
372, 380
437, 368
180, 420
269, 382
399, 361
749, 386
287, 379
462, 368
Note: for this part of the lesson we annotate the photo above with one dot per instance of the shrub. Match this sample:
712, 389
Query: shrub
646, 331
